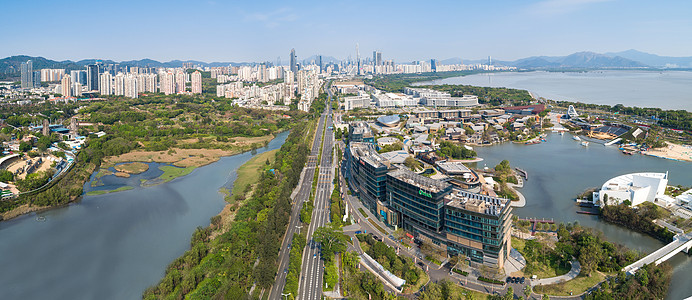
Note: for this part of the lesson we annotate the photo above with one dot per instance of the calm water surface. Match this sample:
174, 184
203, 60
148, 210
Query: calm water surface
112, 246
667, 89
561, 168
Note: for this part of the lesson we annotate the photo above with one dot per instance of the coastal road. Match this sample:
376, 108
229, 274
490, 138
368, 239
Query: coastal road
294, 225
312, 270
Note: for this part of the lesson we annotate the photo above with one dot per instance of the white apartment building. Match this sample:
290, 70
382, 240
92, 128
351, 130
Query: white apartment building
196, 82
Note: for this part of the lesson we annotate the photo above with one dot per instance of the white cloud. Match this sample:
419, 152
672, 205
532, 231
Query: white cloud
560, 7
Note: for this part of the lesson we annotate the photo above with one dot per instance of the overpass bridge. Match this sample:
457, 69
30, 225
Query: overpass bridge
680, 243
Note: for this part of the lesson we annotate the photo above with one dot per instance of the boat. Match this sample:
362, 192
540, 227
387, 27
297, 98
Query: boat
585, 143
576, 138
543, 140
626, 152
562, 133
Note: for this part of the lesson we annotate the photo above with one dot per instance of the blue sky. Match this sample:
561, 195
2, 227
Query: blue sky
216, 30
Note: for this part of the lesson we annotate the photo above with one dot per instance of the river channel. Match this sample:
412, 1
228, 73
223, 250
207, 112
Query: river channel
113, 246
561, 168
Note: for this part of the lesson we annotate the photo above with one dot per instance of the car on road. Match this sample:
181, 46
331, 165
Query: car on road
358, 232
286, 270
420, 263
314, 255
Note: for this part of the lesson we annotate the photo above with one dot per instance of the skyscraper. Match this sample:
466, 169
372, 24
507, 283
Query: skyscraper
196, 82
433, 65
319, 62
92, 77
293, 62
27, 74
377, 58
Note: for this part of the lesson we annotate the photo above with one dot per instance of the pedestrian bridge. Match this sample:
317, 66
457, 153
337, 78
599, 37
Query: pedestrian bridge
679, 243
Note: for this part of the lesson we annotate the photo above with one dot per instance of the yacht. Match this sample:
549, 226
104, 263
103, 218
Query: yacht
576, 138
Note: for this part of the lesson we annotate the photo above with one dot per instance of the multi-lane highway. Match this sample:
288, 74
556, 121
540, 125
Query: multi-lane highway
312, 270
304, 187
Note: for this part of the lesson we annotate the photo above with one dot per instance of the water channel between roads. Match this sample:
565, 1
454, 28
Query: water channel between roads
561, 168
113, 246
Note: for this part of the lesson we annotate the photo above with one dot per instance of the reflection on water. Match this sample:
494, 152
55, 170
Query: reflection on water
112, 246
560, 169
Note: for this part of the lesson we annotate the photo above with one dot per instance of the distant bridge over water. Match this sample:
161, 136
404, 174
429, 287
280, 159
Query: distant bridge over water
680, 243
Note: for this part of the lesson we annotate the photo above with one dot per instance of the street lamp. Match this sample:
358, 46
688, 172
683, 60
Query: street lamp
285, 295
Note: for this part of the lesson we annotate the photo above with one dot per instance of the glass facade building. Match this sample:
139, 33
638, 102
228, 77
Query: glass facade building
367, 171
433, 211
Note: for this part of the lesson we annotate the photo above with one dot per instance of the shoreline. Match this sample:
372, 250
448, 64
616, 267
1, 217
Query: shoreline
27, 208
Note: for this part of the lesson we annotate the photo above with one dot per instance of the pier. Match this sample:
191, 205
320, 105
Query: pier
523, 173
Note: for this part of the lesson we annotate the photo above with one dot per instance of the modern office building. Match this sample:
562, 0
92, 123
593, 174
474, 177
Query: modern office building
434, 212
478, 226
359, 132
293, 63
27, 70
429, 97
418, 201
368, 173
360, 101
92, 77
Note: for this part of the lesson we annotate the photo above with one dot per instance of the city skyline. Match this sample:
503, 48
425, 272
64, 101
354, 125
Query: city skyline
403, 31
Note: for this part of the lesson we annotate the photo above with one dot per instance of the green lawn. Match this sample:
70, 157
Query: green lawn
248, 172
171, 172
101, 192
576, 286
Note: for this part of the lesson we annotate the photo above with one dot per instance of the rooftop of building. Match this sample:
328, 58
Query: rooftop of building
453, 168
419, 180
389, 120
625, 182
367, 153
395, 157
484, 204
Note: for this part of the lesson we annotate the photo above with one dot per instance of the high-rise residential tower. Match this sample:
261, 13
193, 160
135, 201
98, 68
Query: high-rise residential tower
196, 82
93, 77
27, 74
66, 84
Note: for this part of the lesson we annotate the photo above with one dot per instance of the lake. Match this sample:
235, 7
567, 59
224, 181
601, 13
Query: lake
113, 246
561, 168
663, 89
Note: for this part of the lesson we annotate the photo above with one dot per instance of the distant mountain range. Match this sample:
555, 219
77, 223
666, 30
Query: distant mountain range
588, 60
10, 66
